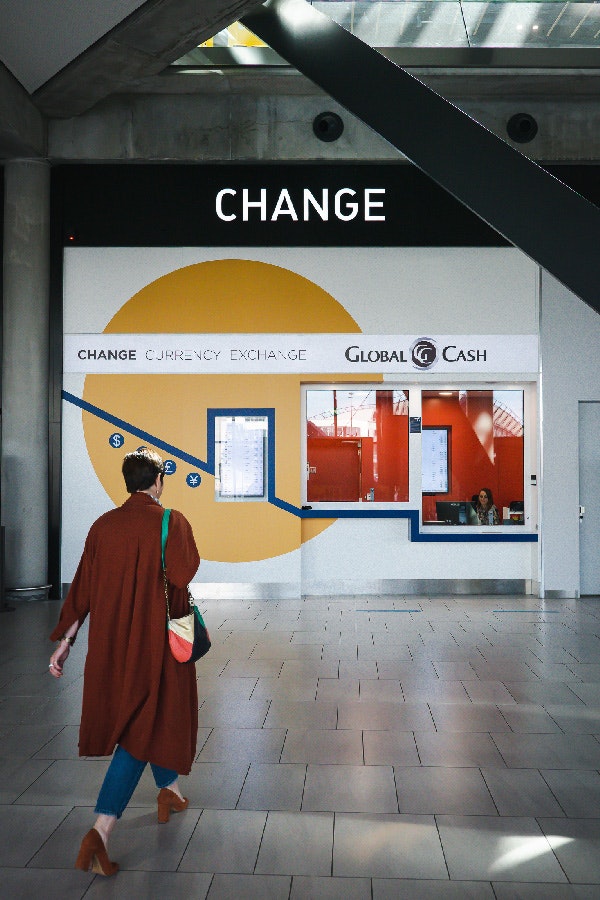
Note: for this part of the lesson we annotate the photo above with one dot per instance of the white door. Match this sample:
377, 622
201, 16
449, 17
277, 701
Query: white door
589, 498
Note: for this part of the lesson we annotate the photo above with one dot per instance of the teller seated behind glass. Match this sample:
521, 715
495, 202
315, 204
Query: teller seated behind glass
487, 513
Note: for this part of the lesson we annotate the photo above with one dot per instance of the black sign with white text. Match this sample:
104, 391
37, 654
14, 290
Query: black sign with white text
269, 204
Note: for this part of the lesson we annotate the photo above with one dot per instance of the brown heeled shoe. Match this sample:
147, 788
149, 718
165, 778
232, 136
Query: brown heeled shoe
92, 854
169, 802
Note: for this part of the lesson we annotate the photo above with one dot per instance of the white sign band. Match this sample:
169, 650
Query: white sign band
244, 354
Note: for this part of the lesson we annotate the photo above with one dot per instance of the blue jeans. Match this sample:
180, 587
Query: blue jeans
121, 780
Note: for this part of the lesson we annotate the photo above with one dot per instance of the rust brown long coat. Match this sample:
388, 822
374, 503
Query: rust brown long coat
135, 693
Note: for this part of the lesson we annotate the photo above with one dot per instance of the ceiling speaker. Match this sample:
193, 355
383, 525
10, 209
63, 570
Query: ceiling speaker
521, 128
328, 126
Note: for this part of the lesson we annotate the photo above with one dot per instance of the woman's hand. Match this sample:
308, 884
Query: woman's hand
58, 659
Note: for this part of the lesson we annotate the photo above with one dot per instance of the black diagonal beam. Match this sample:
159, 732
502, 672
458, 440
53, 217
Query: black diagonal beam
551, 223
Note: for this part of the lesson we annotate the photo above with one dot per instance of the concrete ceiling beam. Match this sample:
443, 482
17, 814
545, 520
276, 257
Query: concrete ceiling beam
143, 44
22, 127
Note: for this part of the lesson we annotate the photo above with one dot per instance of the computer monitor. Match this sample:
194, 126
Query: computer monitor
456, 512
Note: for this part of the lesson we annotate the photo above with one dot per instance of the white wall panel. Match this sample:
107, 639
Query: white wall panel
570, 337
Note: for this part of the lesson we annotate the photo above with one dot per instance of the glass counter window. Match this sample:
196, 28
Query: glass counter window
356, 445
473, 457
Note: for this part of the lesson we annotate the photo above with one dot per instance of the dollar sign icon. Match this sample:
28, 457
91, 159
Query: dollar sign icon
116, 440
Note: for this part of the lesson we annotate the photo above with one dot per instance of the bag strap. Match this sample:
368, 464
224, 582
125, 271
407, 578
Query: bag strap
164, 533
163, 541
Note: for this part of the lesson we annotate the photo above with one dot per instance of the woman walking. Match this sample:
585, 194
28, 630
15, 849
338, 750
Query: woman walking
138, 702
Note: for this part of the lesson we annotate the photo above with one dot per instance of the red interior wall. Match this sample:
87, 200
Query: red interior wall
471, 468
339, 468
509, 465
392, 460
337, 475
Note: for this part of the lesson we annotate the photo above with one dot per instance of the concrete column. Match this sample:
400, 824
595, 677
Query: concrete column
25, 371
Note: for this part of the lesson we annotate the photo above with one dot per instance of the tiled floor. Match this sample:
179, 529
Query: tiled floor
347, 748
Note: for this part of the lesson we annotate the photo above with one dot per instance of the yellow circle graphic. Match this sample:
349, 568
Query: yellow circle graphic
226, 296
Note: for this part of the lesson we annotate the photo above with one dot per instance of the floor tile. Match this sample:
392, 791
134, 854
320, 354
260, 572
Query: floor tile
249, 887
545, 693
390, 748
241, 714
576, 720
275, 650
467, 717
513, 671
554, 672
226, 689
77, 779
549, 751
21, 710
378, 691
521, 792
216, 785
60, 711
64, 745
303, 667
586, 672
299, 714
338, 688
357, 669
25, 740
588, 693
578, 792
410, 889
350, 789
399, 669
383, 653
285, 688
384, 716
529, 718
252, 668
487, 692
517, 891
36, 684
497, 849
166, 885
387, 847
17, 775
424, 790
296, 844
273, 786
24, 884
456, 749
331, 746
576, 843
243, 745
24, 829
224, 841
305, 887
457, 671
436, 691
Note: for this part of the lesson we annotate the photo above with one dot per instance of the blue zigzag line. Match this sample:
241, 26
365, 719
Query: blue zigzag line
411, 514
144, 435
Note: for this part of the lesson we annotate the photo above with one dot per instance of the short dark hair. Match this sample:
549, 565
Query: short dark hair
141, 468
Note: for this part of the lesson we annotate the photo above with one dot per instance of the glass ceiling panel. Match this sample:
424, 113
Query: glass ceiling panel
457, 23
532, 24
421, 24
